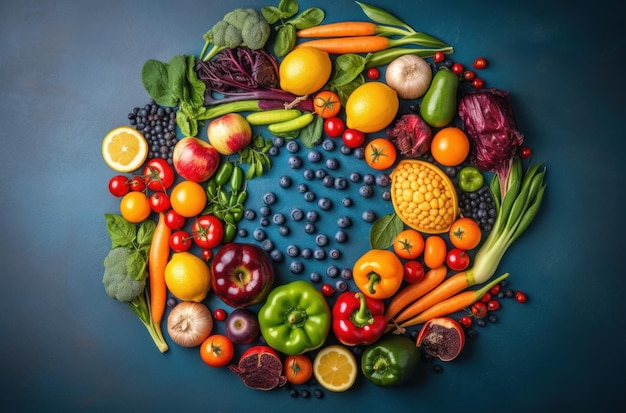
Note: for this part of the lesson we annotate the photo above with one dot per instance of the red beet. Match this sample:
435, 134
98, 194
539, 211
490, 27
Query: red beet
442, 337
260, 368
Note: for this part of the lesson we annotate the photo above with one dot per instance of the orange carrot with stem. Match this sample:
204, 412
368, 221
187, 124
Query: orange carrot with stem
412, 292
369, 44
344, 29
157, 260
451, 305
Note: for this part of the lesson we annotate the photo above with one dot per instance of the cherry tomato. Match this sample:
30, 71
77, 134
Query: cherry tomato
438, 57
480, 63
413, 271
495, 290
135, 207
520, 297
353, 138
380, 154
137, 184
298, 369
478, 83
327, 290
493, 305
174, 220
159, 174
479, 309
334, 127
207, 231
525, 152
159, 202
219, 314
457, 68
326, 104
457, 259
207, 254
180, 241
469, 75
119, 186
466, 321
435, 251
408, 244
372, 73
486, 298
217, 350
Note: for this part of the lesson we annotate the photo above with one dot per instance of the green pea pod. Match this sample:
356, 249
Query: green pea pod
223, 173
292, 125
219, 214
211, 188
241, 198
230, 229
223, 197
232, 201
237, 213
236, 178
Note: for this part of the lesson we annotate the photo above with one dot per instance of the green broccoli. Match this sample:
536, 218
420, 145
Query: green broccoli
120, 285
240, 27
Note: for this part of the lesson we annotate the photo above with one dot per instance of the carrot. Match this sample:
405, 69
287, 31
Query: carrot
340, 29
451, 305
344, 45
157, 260
412, 292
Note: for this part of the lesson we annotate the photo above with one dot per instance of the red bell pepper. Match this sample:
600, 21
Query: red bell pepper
358, 319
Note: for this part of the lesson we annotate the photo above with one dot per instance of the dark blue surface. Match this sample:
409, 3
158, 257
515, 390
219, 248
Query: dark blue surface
70, 71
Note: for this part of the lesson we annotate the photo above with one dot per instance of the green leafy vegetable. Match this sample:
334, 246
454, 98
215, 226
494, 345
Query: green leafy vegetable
384, 230
286, 29
255, 156
311, 134
137, 240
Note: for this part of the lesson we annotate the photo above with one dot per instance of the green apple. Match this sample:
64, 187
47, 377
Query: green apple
470, 179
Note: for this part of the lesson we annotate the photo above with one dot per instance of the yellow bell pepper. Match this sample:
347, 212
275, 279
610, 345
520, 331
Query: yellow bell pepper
378, 273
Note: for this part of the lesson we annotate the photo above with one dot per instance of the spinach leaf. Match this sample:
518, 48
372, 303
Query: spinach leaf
347, 68
311, 134
385, 230
154, 76
285, 39
121, 232
308, 18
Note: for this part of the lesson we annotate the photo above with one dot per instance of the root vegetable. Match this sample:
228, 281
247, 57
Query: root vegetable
189, 323
409, 76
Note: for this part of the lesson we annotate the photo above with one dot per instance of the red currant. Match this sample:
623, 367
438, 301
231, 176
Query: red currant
493, 305
457, 68
372, 73
525, 152
520, 297
495, 290
219, 314
469, 75
480, 63
478, 83
327, 290
466, 321
207, 254
486, 298
438, 57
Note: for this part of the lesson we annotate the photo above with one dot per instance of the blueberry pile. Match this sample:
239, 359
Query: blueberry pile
479, 206
158, 126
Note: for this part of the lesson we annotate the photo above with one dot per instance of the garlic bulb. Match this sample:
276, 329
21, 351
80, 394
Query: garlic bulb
409, 76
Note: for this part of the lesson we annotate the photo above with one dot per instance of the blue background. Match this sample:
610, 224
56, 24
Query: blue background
70, 72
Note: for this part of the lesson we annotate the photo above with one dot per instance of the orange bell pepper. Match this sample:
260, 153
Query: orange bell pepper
378, 273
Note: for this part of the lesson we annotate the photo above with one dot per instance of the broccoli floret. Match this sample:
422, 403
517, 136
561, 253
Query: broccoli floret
118, 283
240, 27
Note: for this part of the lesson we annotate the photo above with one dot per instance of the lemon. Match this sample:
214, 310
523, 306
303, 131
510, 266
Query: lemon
335, 368
371, 107
187, 277
124, 149
304, 70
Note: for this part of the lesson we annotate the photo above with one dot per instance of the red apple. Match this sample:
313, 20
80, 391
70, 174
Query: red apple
195, 159
229, 133
242, 274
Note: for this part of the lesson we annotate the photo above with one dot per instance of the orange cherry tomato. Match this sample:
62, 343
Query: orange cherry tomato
135, 207
298, 369
326, 104
408, 244
217, 350
450, 146
380, 153
465, 234
435, 251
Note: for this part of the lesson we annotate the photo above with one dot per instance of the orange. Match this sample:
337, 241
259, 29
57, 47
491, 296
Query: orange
188, 198
371, 107
135, 207
335, 368
124, 149
188, 277
304, 71
450, 146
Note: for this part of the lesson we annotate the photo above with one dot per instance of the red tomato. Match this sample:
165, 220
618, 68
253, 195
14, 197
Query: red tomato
520, 297
413, 272
457, 259
372, 73
480, 63
180, 241
466, 321
525, 152
353, 138
327, 290
174, 220
119, 185
219, 314
334, 127
159, 202
207, 254
217, 350
493, 305
469, 75
457, 68
479, 309
438, 57
159, 174
478, 83
326, 104
137, 184
298, 369
207, 231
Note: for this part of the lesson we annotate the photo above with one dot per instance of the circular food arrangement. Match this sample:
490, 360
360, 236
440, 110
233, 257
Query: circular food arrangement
310, 205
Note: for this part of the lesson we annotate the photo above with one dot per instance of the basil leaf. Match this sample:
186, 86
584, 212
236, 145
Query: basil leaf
288, 8
285, 40
382, 16
121, 232
385, 230
154, 76
347, 67
311, 134
309, 18
271, 14
145, 233
136, 265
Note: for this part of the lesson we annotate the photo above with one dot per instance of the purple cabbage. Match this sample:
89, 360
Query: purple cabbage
489, 121
411, 135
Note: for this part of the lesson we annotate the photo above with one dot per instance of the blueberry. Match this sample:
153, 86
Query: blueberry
386, 196
341, 183
328, 181
302, 188
321, 240
265, 210
297, 214
332, 164
294, 393
305, 394
368, 216
269, 198
264, 221
273, 151
249, 214
293, 146
306, 253
318, 393
309, 196
314, 156
369, 179
341, 236
347, 202
278, 219
308, 174
344, 222
292, 250
283, 230
359, 153
346, 274
332, 271
259, 234
341, 285
278, 141
345, 150
334, 254
310, 228
267, 244
320, 173
315, 277
328, 145
481, 322
382, 180
285, 181
296, 267
355, 177
325, 204
319, 254
295, 162
312, 216
242, 232
366, 191
492, 318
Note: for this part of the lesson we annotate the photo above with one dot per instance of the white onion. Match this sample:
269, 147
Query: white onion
409, 76
189, 323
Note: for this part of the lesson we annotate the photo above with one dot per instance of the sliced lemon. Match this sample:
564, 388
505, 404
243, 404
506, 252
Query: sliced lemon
124, 149
335, 368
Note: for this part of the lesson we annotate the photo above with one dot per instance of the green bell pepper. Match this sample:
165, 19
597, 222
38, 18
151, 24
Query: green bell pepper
390, 361
295, 318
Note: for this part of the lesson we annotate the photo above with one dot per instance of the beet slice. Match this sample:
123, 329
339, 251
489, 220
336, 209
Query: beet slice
260, 368
442, 337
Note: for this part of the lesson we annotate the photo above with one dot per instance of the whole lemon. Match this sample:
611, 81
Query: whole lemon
371, 107
188, 277
304, 70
